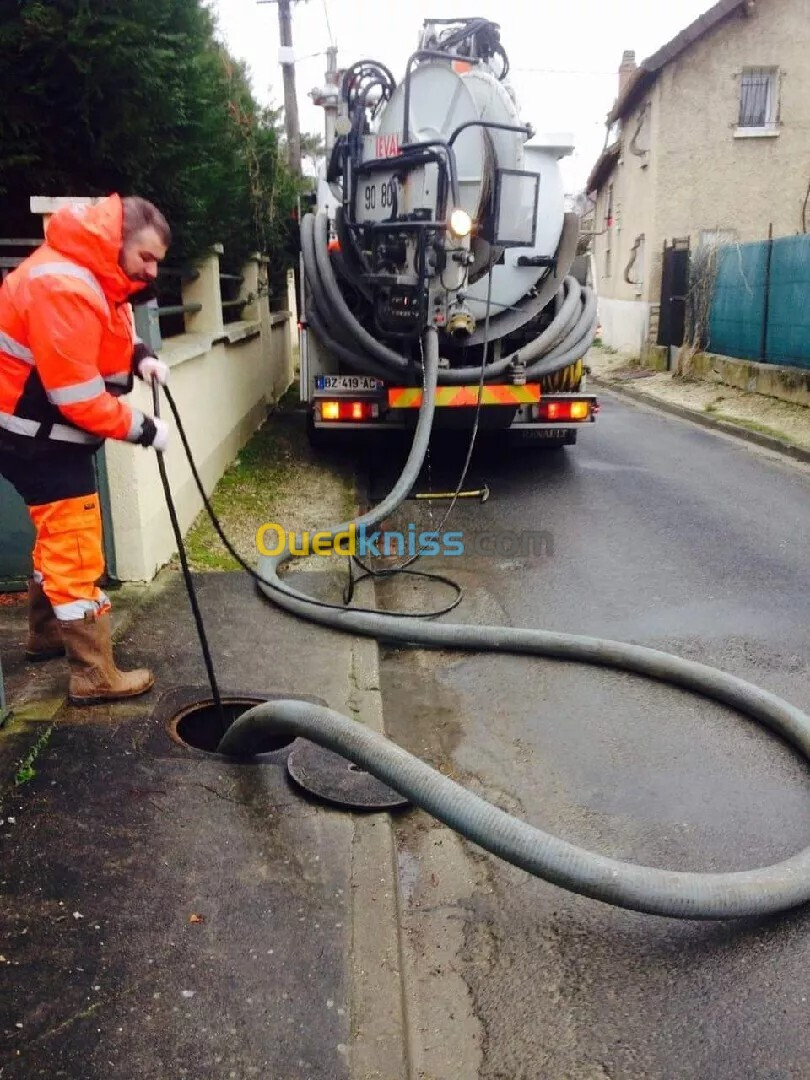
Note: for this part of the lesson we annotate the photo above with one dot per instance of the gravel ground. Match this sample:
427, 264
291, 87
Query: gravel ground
753, 411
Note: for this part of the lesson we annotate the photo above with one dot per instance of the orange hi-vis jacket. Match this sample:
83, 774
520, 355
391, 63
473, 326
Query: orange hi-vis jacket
66, 333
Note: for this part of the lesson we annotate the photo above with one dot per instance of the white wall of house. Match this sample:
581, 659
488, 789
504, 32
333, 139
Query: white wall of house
625, 324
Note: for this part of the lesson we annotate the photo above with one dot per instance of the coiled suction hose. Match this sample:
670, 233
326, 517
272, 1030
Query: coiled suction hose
563, 342
640, 888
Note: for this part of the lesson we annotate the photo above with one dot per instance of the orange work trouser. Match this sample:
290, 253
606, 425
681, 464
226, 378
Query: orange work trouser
58, 485
69, 554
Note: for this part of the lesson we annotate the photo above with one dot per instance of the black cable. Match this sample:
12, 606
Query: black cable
500, 51
181, 550
353, 582
402, 568
249, 569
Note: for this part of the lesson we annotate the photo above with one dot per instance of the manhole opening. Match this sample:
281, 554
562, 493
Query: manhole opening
199, 726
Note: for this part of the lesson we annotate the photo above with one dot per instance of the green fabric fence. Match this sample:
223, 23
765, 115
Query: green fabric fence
761, 304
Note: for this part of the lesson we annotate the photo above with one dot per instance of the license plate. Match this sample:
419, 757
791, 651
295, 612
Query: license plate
348, 384
379, 197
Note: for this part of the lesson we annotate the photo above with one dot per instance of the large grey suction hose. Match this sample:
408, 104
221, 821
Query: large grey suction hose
641, 888
565, 340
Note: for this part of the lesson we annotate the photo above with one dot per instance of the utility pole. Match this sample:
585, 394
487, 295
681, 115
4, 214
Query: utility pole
286, 58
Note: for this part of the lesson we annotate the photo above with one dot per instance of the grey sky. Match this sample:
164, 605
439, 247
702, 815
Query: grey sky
564, 53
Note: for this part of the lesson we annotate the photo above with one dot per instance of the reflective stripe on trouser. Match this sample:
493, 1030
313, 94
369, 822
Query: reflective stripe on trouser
69, 554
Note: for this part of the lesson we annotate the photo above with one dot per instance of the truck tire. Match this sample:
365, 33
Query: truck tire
317, 438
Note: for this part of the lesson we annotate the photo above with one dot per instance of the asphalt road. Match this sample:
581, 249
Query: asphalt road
655, 531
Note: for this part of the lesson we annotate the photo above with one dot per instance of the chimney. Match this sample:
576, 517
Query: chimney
626, 70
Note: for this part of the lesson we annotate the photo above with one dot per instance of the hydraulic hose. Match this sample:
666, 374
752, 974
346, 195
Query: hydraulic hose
565, 340
319, 308
330, 298
661, 892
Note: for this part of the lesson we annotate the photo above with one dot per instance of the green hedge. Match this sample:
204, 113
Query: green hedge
139, 97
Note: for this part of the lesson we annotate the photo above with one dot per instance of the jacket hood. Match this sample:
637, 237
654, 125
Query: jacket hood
92, 237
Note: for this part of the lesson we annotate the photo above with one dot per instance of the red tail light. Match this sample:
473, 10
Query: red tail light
564, 410
349, 410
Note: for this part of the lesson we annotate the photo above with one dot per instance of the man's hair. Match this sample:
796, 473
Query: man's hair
141, 214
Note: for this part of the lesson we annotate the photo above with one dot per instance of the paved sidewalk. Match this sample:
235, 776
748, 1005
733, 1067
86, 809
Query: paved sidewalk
167, 913
756, 418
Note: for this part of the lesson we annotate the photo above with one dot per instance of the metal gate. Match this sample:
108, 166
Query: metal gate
18, 538
15, 525
674, 287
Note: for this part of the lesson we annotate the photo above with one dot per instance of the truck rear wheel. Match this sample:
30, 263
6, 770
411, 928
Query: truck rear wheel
317, 438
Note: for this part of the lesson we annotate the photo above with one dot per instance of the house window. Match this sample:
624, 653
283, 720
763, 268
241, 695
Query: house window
759, 101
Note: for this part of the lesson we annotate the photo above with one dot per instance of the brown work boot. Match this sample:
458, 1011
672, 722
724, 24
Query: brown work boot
94, 678
44, 635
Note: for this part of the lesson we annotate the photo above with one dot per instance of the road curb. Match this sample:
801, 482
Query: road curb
379, 1046
779, 446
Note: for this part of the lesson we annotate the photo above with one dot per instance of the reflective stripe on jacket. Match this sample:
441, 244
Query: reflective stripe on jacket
66, 333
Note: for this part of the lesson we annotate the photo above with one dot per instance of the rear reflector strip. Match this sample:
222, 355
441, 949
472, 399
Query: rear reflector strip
410, 397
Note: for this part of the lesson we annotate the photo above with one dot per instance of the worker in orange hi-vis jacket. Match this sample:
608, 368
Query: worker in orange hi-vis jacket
68, 351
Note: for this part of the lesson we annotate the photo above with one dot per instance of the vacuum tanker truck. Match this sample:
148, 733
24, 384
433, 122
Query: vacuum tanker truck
438, 206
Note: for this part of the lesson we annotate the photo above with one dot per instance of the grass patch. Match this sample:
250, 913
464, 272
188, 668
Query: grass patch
274, 471
25, 767
754, 425
242, 495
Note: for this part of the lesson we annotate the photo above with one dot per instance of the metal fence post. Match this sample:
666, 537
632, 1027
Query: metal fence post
147, 324
766, 309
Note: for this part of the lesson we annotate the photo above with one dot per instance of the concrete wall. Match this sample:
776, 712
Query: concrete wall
785, 383
624, 323
222, 380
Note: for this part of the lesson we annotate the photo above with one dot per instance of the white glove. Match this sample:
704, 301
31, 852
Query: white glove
161, 439
150, 367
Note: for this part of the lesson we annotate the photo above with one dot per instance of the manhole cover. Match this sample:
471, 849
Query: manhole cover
338, 780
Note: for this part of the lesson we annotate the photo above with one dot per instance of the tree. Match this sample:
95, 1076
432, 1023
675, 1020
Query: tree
110, 95
312, 147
